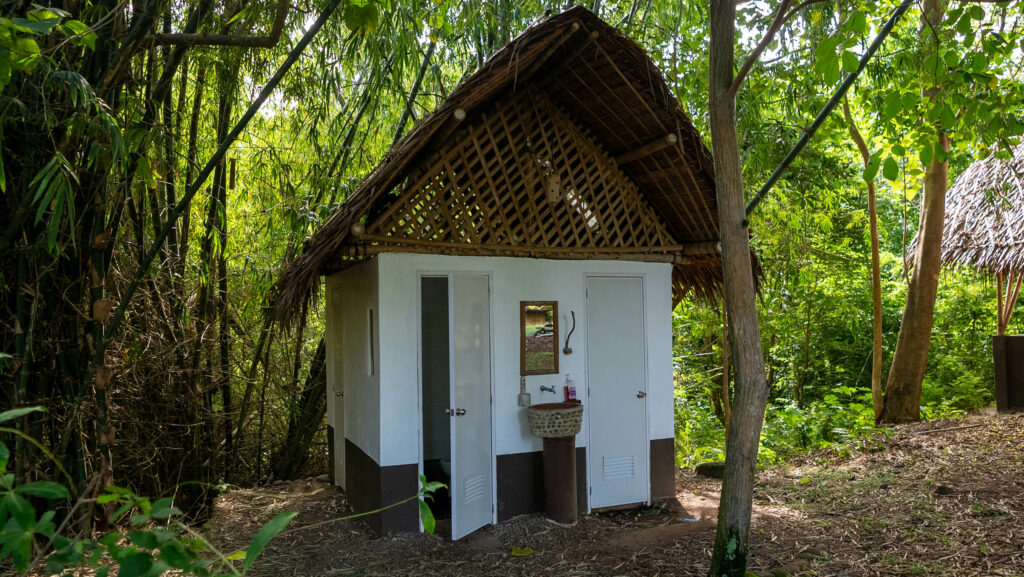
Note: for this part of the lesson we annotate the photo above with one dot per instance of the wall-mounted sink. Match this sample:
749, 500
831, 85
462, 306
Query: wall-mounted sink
554, 420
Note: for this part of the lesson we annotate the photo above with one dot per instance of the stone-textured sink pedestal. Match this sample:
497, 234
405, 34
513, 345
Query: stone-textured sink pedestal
558, 424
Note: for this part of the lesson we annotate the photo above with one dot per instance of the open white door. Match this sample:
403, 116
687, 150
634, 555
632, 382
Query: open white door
470, 411
617, 389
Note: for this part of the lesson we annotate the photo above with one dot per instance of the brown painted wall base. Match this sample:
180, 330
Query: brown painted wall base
1008, 353
370, 486
663, 468
330, 455
521, 483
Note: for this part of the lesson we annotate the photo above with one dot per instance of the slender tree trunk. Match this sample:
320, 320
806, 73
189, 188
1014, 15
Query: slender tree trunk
910, 358
726, 392
877, 400
751, 391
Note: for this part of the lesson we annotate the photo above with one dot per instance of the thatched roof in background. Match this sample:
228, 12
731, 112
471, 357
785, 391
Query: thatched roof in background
984, 226
610, 87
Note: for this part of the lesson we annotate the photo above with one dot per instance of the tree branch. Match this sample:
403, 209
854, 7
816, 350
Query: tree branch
769, 35
781, 17
185, 39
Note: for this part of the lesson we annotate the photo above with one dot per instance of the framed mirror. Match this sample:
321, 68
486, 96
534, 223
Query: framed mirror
538, 337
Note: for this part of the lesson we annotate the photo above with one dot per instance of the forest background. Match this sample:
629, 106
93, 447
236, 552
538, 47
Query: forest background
112, 111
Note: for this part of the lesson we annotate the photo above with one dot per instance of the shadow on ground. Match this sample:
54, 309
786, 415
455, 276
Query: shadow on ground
936, 498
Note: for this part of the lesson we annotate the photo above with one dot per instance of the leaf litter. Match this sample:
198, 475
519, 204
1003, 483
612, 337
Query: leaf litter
932, 498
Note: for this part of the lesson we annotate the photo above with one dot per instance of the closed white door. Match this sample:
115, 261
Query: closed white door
617, 391
336, 388
470, 412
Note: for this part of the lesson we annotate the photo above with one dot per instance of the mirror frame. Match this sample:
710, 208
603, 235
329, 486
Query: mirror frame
522, 337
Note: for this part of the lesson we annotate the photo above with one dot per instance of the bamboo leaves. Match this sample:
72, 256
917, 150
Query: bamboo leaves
54, 193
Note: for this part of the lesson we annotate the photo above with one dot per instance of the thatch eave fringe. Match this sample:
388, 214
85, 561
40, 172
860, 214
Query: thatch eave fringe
984, 224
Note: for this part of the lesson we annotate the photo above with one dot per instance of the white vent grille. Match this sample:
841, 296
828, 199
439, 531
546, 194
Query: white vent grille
619, 467
473, 488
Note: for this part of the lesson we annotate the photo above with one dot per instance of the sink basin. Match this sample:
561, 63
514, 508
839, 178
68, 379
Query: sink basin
553, 420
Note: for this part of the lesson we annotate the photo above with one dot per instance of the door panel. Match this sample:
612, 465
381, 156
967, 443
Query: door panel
617, 385
471, 397
337, 386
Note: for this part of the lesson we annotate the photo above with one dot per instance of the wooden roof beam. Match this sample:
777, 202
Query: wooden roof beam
647, 149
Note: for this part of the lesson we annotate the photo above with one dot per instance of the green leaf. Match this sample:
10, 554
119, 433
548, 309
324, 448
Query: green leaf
858, 22
135, 564
979, 62
977, 12
44, 489
176, 555
237, 555
951, 58
38, 27
20, 509
84, 36
16, 413
427, 517
871, 168
890, 170
850, 62
5, 454
926, 153
263, 536
891, 105
964, 25
17, 544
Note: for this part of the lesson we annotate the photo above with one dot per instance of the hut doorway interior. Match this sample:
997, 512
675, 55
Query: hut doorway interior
455, 389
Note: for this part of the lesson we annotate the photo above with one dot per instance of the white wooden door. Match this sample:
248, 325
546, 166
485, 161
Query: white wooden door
471, 404
336, 386
617, 391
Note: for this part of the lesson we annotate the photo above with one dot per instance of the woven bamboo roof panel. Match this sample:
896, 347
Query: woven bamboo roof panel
984, 226
572, 99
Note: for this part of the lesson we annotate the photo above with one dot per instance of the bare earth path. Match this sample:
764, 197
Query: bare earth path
936, 498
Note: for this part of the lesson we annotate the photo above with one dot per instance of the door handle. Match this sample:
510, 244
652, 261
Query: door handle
640, 394
455, 412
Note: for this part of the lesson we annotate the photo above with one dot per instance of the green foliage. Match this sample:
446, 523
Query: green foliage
152, 542
426, 493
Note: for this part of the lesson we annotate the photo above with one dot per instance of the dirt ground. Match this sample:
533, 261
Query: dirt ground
935, 498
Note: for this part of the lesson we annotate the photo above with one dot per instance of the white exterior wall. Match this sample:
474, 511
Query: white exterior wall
512, 280
361, 382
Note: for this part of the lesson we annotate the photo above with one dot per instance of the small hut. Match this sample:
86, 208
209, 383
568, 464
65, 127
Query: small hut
984, 229
561, 179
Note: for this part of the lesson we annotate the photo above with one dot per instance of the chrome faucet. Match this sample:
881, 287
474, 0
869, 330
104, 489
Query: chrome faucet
550, 389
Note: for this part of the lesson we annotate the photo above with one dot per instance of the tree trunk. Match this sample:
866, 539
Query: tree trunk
877, 400
751, 391
910, 359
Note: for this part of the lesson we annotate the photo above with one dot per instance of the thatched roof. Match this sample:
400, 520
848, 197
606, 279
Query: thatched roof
618, 100
984, 226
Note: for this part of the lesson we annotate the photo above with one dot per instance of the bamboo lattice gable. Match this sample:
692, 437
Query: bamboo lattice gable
619, 104
487, 188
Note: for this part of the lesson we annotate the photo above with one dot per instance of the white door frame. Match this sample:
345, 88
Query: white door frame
449, 274
586, 369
